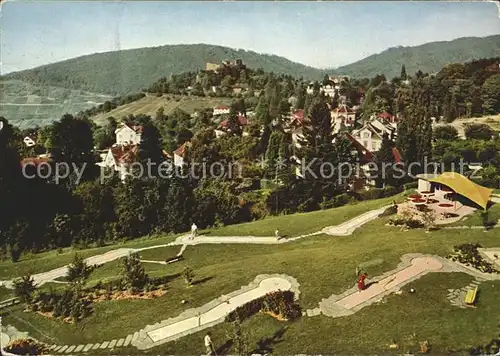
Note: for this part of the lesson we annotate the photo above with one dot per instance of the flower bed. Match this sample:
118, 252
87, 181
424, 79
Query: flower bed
445, 205
26, 347
418, 201
468, 255
280, 305
415, 196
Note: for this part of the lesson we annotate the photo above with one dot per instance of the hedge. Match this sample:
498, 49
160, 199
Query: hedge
280, 303
412, 185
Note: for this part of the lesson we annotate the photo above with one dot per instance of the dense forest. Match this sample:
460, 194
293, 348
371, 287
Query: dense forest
128, 71
429, 57
43, 213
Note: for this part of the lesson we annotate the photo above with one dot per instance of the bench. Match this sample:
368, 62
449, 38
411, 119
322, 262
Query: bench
470, 297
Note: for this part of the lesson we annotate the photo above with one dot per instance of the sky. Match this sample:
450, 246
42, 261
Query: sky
319, 34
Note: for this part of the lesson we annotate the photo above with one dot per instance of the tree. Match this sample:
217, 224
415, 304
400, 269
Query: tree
272, 154
285, 172
478, 132
150, 148
385, 163
446, 132
317, 152
415, 130
72, 143
133, 274
78, 271
403, 72
24, 289
262, 111
450, 107
491, 94
188, 276
240, 340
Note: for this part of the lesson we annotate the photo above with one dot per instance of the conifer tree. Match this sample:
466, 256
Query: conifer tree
403, 72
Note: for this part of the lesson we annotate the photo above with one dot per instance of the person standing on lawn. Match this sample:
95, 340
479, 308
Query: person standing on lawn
277, 234
209, 345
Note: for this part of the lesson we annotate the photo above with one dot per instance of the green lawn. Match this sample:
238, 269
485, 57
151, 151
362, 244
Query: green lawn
46, 261
300, 224
478, 219
5, 293
291, 225
322, 265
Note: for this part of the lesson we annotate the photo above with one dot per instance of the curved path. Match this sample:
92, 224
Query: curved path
412, 267
344, 229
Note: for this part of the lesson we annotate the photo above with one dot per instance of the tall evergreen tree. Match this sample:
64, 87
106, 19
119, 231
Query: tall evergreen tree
403, 72
262, 111
150, 147
272, 154
317, 149
385, 161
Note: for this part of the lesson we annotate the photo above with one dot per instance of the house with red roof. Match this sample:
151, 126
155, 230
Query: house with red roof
180, 153
128, 135
120, 158
222, 129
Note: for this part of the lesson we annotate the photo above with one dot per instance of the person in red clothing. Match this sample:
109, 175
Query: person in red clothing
361, 281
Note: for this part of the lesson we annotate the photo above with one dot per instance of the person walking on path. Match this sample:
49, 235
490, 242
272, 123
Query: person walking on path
277, 234
361, 282
194, 231
209, 345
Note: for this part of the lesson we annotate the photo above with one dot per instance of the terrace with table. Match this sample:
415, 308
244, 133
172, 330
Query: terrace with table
450, 196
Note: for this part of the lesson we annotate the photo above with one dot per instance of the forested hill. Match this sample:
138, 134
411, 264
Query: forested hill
129, 71
428, 58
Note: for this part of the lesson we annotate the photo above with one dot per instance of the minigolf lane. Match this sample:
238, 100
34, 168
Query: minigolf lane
418, 266
219, 312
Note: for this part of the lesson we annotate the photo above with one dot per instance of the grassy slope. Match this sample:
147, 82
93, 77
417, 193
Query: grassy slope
27, 105
126, 71
46, 261
292, 225
491, 120
301, 224
151, 103
476, 218
5, 293
322, 265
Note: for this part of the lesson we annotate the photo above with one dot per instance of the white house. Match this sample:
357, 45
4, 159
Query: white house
343, 115
119, 158
221, 109
128, 135
179, 154
329, 90
29, 142
369, 136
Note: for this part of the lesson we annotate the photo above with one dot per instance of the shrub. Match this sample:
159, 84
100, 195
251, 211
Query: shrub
78, 270
188, 275
24, 288
134, 276
373, 193
280, 304
412, 185
392, 210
